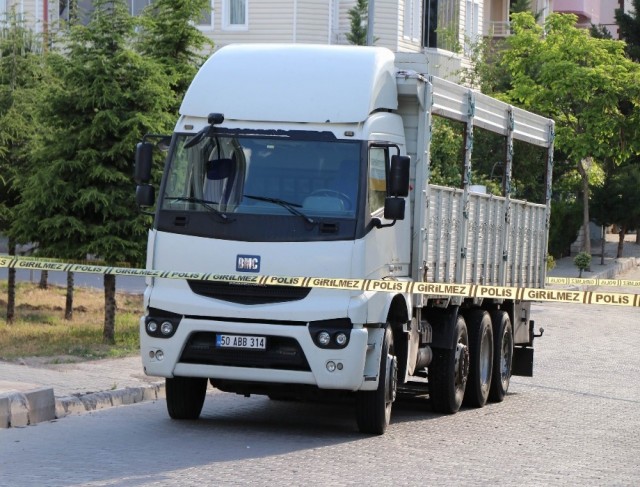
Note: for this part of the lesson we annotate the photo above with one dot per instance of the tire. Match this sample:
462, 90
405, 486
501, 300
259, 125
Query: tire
185, 396
481, 346
448, 372
373, 408
502, 356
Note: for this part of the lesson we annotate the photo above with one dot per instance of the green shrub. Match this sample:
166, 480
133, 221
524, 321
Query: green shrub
582, 261
551, 262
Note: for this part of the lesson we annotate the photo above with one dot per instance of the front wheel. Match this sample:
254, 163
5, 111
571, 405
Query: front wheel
448, 372
373, 408
185, 396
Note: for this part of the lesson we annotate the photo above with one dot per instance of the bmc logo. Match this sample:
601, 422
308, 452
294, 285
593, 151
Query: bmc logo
248, 263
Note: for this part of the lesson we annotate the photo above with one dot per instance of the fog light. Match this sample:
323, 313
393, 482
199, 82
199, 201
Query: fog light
331, 366
166, 328
339, 366
341, 339
324, 338
152, 327
152, 354
159, 355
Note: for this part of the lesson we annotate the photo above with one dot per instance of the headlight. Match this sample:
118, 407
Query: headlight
152, 326
324, 338
166, 328
331, 334
161, 324
341, 339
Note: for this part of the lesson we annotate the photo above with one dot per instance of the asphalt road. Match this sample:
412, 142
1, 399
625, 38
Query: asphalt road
576, 422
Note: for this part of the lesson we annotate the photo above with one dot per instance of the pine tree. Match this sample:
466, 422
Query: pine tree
169, 35
359, 17
629, 24
20, 68
520, 6
80, 193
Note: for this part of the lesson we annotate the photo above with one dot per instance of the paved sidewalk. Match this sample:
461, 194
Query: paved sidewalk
30, 394
33, 393
612, 266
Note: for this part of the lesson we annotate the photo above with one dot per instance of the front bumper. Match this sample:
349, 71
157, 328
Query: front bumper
356, 364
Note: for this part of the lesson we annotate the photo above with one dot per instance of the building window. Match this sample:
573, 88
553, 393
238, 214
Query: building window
235, 14
411, 20
441, 20
137, 6
206, 21
472, 25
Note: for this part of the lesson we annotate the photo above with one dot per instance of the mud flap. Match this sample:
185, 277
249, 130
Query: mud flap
522, 361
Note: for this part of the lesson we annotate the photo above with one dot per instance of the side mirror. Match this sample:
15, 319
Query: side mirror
144, 161
399, 176
394, 208
145, 195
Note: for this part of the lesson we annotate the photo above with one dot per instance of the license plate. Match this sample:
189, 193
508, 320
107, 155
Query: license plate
241, 341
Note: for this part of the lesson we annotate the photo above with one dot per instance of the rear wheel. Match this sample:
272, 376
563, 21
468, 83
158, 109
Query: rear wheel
373, 408
481, 358
185, 396
448, 372
502, 355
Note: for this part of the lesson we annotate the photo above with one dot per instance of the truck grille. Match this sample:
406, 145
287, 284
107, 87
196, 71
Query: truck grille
281, 353
248, 293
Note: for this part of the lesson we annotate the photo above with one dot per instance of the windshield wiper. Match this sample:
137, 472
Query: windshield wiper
205, 203
291, 207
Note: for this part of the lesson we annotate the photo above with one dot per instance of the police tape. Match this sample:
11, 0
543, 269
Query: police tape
581, 281
436, 290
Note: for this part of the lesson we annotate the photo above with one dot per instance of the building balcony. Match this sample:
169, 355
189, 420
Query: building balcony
497, 29
588, 11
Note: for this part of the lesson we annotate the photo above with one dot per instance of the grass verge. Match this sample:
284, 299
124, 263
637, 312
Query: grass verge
40, 330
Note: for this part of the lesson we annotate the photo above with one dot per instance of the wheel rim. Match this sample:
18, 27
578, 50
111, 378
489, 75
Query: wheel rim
462, 364
391, 384
485, 359
505, 358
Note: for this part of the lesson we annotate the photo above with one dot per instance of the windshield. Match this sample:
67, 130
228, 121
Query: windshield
230, 175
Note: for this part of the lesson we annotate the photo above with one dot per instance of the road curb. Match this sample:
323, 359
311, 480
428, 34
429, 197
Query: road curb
20, 409
621, 265
81, 403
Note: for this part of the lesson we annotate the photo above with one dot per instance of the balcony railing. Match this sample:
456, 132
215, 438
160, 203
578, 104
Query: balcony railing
497, 28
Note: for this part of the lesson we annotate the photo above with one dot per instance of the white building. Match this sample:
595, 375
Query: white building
442, 29
436, 27
597, 12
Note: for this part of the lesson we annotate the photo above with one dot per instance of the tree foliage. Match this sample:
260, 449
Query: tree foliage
170, 36
358, 14
617, 201
109, 96
587, 85
629, 25
78, 200
522, 6
446, 152
20, 73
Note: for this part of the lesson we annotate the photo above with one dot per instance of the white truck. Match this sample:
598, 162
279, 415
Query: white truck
313, 161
